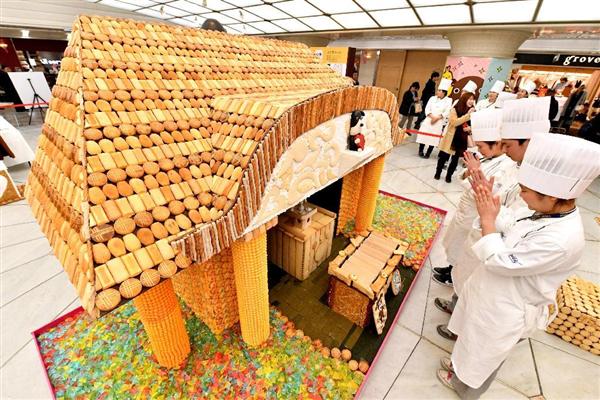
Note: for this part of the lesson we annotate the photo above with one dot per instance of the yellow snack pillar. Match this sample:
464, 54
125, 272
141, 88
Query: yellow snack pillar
368, 193
250, 270
351, 186
161, 315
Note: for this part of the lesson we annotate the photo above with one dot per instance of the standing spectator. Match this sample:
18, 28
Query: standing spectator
407, 107
428, 92
553, 107
576, 99
455, 140
560, 84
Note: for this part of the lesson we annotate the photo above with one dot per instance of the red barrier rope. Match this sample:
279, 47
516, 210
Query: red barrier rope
412, 131
22, 105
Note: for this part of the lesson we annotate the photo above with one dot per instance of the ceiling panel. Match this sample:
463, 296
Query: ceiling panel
276, 16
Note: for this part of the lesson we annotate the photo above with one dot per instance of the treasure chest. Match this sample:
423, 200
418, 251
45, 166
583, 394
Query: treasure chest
302, 239
361, 275
578, 318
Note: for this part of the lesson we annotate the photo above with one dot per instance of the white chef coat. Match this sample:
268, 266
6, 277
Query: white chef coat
484, 104
506, 185
466, 211
507, 297
435, 106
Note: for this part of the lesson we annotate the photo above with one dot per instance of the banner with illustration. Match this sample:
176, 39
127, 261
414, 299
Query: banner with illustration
484, 71
335, 57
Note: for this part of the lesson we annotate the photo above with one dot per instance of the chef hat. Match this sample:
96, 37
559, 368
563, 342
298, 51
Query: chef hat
470, 87
502, 97
527, 85
498, 87
560, 166
485, 125
522, 117
445, 84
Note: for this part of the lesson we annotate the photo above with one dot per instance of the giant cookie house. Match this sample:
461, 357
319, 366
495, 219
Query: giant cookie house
166, 155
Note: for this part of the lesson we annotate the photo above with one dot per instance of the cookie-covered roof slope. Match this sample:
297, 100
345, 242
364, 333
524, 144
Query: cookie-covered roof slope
158, 133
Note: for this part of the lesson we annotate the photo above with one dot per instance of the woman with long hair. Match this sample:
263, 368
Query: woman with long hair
455, 140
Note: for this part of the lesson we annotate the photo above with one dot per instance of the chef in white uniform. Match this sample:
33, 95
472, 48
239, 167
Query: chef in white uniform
436, 115
519, 119
485, 127
526, 87
523, 262
490, 101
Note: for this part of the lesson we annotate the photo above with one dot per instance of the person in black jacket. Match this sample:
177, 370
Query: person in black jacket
553, 107
428, 92
407, 107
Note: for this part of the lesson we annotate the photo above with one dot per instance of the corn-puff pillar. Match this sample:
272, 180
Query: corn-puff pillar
351, 185
368, 193
250, 270
160, 313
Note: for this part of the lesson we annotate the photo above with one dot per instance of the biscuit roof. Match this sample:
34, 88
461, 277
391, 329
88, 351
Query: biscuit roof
160, 138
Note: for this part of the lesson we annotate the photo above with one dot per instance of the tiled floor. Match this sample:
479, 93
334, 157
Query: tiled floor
35, 291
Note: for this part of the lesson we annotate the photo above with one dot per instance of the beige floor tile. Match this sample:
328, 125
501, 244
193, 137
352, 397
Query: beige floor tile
401, 183
11, 235
564, 376
590, 227
397, 350
518, 371
24, 376
554, 341
24, 278
19, 254
413, 312
31, 311
589, 202
18, 214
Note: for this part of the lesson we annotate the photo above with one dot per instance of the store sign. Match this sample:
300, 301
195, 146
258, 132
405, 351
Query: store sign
567, 60
335, 57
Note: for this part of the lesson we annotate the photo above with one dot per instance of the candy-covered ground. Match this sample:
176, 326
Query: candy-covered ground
34, 291
111, 357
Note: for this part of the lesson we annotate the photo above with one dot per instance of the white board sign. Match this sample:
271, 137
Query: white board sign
21, 81
17, 144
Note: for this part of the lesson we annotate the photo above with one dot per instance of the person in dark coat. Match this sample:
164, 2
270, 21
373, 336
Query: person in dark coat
407, 107
428, 92
553, 107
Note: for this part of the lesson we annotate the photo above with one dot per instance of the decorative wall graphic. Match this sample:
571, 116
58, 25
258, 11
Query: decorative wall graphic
483, 71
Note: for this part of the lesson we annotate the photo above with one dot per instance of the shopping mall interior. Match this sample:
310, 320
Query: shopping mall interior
292, 199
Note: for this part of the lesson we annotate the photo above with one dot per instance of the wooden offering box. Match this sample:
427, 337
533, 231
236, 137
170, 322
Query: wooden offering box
578, 318
302, 239
361, 275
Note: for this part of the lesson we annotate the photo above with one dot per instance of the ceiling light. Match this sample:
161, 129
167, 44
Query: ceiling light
292, 25
355, 20
24, 33
298, 8
455, 14
245, 29
400, 17
153, 13
267, 27
189, 7
216, 5
223, 19
119, 4
370, 5
168, 10
187, 22
267, 12
242, 15
320, 23
504, 11
574, 10
335, 6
